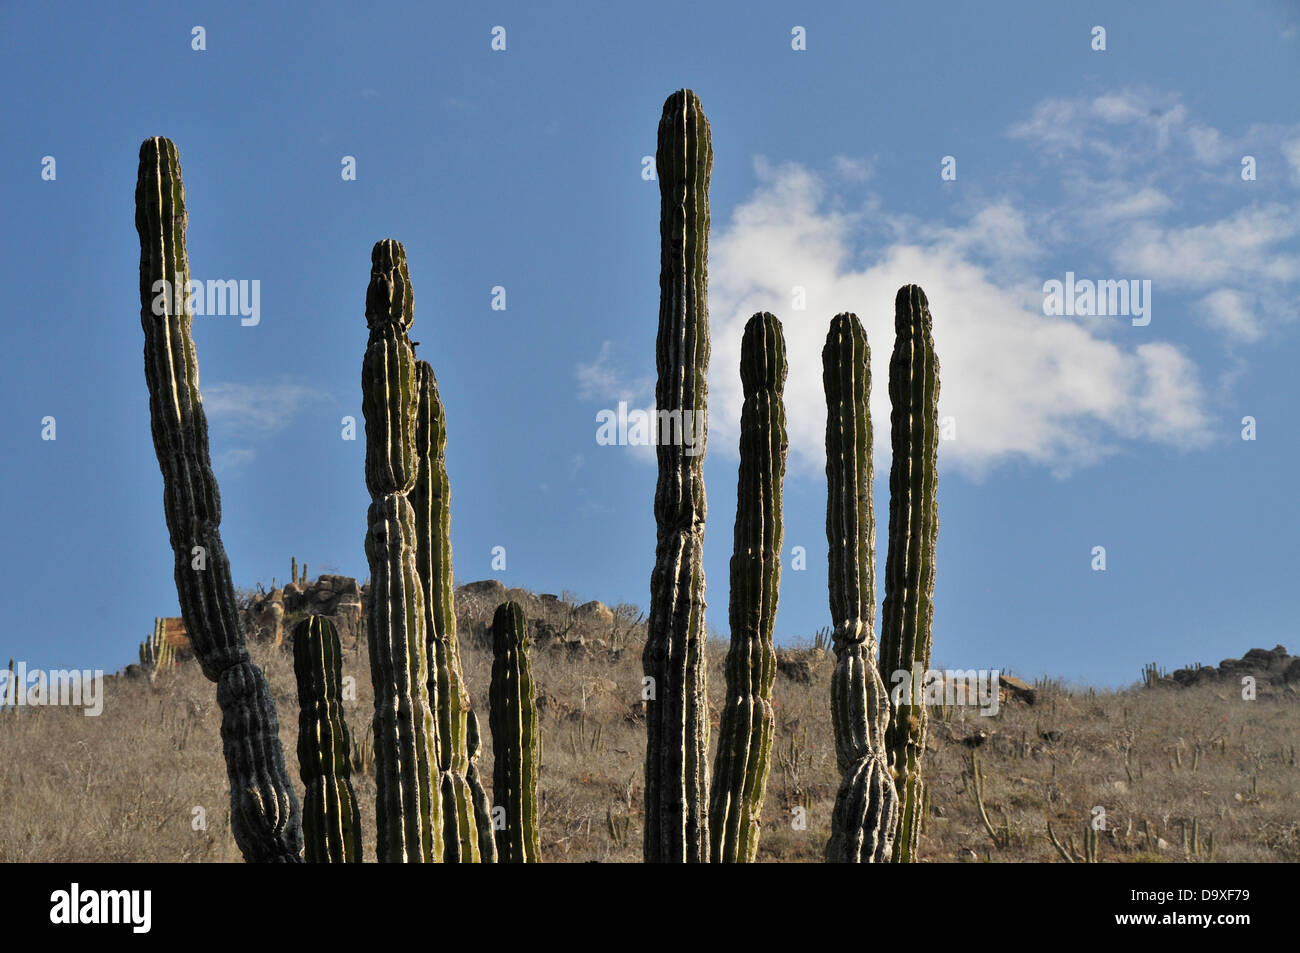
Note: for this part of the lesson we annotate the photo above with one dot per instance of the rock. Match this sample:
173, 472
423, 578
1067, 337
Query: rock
1011, 688
800, 666
595, 611
484, 587
549, 598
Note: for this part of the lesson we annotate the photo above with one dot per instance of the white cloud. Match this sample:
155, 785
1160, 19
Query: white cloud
1021, 385
232, 463
1239, 246
256, 410
1232, 312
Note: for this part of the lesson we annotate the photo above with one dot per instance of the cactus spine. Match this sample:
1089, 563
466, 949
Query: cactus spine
263, 805
862, 824
515, 740
745, 736
677, 727
330, 825
431, 498
913, 528
407, 798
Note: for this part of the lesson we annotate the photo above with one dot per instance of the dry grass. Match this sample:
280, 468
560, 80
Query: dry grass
125, 786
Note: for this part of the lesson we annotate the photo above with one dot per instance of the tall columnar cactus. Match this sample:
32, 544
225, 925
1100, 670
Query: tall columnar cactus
157, 653
293, 569
866, 806
407, 799
431, 499
908, 612
515, 741
745, 737
330, 824
677, 718
263, 804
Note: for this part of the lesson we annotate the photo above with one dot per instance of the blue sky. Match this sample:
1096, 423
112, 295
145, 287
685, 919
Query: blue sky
522, 168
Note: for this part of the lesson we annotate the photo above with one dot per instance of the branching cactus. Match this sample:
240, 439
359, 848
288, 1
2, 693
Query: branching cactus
330, 824
745, 737
866, 806
407, 799
263, 805
908, 612
515, 741
677, 717
431, 499
156, 652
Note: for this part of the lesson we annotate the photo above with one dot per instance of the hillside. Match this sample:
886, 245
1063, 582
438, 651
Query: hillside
1164, 762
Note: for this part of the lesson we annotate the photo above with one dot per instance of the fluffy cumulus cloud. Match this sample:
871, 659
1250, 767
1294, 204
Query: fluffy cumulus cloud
1017, 383
1131, 186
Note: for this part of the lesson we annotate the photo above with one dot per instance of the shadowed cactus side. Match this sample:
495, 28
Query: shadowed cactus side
866, 805
263, 805
908, 612
330, 825
515, 741
677, 725
459, 786
407, 798
745, 735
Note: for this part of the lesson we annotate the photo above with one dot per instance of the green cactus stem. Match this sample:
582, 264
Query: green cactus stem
431, 499
515, 741
866, 805
407, 799
330, 824
293, 569
907, 617
263, 805
745, 735
487, 844
677, 718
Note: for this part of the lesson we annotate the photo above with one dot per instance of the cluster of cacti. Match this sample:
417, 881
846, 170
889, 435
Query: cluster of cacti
862, 823
677, 717
263, 804
515, 741
745, 734
407, 801
908, 611
156, 652
431, 804
330, 825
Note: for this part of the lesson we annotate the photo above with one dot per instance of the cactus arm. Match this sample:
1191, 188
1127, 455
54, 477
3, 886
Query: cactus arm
907, 617
745, 735
330, 824
515, 741
862, 823
407, 798
263, 805
677, 726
